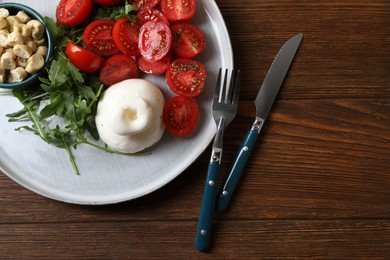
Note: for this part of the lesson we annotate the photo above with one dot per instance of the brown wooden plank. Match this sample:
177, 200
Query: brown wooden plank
232, 239
344, 53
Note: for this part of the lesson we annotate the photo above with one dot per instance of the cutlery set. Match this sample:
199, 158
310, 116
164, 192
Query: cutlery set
224, 109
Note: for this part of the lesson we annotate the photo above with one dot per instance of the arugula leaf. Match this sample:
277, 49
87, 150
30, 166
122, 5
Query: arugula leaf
116, 12
58, 74
74, 72
53, 107
53, 27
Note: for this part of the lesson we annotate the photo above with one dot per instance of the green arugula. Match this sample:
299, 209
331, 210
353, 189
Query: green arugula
65, 95
116, 12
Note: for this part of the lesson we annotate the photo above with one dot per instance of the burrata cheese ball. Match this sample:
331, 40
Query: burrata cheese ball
129, 115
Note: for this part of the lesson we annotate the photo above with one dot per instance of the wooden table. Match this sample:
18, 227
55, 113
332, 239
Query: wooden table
317, 184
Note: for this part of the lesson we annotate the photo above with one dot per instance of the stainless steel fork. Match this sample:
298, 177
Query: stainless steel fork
224, 109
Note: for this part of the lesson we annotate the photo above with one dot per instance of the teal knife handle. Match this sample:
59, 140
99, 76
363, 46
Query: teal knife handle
203, 232
237, 168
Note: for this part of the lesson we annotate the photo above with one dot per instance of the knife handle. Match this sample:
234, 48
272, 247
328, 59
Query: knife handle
203, 232
238, 166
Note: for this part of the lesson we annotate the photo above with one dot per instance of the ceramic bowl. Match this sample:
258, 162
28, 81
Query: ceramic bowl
13, 9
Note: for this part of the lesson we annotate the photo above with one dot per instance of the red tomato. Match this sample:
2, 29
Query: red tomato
151, 14
186, 77
178, 10
180, 115
83, 59
107, 2
154, 67
117, 68
139, 4
154, 40
98, 38
125, 35
187, 40
73, 12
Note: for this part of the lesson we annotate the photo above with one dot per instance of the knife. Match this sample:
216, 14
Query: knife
263, 102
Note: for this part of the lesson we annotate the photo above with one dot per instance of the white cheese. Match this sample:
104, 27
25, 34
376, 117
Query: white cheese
129, 115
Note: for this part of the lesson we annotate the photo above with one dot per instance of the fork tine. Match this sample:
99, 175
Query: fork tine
234, 87
218, 86
231, 88
228, 99
236, 93
224, 88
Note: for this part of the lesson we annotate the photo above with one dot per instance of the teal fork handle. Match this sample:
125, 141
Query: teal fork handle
237, 168
203, 232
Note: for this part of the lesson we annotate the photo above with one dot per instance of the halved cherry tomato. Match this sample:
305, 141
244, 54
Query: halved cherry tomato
83, 59
139, 4
73, 12
125, 34
151, 14
107, 2
154, 40
186, 77
154, 67
178, 10
117, 68
97, 37
180, 115
187, 40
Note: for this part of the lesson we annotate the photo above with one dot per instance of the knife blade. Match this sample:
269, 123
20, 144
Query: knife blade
263, 102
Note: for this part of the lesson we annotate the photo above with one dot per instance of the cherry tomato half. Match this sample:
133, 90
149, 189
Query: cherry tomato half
125, 34
178, 10
154, 40
73, 12
139, 4
98, 38
180, 115
83, 59
186, 77
151, 14
154, 67
117, 68
107, 2
187, 40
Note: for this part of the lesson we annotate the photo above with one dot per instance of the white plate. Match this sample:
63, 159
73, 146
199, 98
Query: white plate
106, 178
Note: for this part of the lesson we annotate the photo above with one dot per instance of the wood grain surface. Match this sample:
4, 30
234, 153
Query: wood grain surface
317, 184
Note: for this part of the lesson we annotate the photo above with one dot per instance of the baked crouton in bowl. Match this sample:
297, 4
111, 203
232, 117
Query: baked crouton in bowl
26, 45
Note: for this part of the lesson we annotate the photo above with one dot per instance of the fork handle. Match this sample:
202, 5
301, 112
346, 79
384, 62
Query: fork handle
203, 232
238, 167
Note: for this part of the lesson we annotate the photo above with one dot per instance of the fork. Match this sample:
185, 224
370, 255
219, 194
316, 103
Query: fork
224, 109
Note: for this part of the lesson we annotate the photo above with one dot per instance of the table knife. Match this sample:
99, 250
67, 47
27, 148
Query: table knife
263, 102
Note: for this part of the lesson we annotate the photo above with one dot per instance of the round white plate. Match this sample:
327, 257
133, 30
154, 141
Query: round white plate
106, 178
